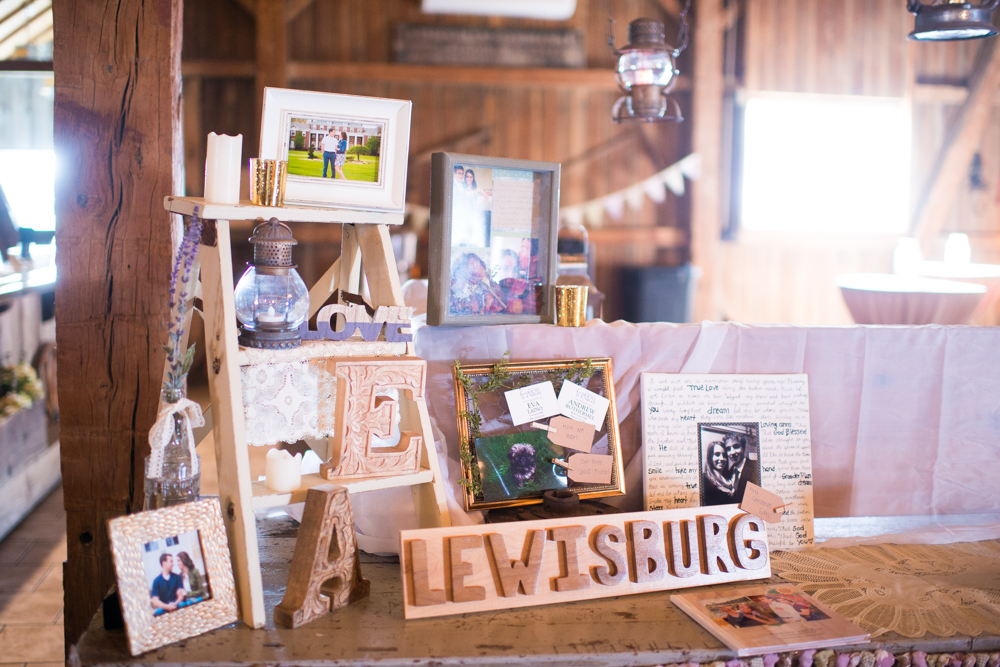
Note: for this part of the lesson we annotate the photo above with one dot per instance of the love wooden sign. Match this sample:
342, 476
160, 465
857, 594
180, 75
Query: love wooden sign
526, 563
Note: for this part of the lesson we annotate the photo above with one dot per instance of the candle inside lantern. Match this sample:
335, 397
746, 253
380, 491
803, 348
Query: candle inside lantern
283, 472
223, 165
270, 317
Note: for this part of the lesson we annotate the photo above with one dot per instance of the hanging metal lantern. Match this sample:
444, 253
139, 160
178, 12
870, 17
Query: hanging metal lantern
272, 301
952, 20
647, 71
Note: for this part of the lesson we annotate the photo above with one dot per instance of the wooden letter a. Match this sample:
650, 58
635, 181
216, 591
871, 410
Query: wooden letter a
325, 572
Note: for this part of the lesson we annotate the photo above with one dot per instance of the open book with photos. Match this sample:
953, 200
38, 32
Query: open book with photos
766, 619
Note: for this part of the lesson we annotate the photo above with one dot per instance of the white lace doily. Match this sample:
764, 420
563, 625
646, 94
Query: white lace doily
315, 349
909, 589
280, 402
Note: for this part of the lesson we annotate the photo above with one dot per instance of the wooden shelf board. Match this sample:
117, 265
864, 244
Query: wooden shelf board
247, 211
263, 497
316, 349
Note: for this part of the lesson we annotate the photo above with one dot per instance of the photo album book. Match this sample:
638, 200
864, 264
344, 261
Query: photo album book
768, 619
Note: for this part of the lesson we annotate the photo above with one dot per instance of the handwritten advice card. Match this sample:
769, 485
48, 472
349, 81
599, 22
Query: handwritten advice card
705, 437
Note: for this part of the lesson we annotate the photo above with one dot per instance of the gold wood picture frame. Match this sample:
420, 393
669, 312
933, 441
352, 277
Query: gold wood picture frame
483, 417
179, 554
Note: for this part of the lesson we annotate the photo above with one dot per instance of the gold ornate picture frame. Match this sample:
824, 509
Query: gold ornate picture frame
204, 598
482, 413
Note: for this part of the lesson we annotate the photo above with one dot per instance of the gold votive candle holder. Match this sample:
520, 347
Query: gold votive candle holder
267, 181
571, 305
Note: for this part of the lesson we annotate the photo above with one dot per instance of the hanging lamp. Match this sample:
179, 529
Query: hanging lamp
647, 70
945, 20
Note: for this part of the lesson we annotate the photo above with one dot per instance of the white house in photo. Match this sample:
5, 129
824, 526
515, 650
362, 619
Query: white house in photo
313, 131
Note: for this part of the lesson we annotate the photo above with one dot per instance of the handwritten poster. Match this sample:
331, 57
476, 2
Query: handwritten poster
705, 437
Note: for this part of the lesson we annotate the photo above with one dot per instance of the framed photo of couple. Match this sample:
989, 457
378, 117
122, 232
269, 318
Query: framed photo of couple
343, 151
492, 240
705, 438
175, 577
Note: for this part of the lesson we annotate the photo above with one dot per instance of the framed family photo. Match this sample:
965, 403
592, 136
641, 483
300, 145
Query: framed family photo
342, 150
506, 464
175, 577
492, 248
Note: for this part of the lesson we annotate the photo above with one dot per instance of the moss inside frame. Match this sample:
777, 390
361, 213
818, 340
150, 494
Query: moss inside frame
481, 411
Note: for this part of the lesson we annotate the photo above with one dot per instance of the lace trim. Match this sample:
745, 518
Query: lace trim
911, 589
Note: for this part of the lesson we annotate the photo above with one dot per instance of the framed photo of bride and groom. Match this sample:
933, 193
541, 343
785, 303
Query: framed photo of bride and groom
707, 437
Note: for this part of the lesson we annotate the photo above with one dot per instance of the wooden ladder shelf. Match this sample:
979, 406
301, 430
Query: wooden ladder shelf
365, 234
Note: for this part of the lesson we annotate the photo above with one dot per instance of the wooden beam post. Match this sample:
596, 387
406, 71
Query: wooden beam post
706, 117
118, 140
951, 167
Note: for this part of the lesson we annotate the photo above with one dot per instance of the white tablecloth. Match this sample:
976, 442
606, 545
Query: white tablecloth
904, 420
883, 298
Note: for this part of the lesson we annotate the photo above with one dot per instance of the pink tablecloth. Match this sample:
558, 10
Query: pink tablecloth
877, 298
904, 420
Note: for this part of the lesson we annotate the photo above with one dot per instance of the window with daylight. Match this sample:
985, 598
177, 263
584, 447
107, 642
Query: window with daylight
27, 161
815, 163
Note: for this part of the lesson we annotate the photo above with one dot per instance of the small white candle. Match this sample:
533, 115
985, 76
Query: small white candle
223, 163
271, 318
283, 472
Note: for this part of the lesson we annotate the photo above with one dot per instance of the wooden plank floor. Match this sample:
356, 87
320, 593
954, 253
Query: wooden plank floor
31, 590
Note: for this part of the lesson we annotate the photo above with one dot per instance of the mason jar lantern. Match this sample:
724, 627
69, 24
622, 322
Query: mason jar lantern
272, 301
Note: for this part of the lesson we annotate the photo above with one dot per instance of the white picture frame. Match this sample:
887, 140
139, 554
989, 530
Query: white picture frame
293, 124
758, 425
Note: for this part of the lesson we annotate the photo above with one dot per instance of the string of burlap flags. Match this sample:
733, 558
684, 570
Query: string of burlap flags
592, 212
655, 187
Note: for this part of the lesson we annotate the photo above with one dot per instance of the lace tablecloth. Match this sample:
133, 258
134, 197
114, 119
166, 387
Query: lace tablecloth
909, 589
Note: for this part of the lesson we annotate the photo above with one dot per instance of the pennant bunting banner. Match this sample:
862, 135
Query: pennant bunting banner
613, 204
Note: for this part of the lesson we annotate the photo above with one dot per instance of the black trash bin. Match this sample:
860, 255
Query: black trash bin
659, 293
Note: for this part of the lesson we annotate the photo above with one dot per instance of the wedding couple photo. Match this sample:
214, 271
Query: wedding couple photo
729, 454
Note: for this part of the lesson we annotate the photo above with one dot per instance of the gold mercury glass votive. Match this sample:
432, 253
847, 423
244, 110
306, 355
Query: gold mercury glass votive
571, 305
267, 181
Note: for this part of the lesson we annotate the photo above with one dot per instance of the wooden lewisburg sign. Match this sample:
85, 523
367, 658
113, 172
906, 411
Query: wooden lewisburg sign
526, 563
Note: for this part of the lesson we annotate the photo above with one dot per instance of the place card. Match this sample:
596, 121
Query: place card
536, 401
582, 405
768, 506
570, 433
590, 468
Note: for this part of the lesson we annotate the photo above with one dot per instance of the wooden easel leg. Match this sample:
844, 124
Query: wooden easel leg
350, 259
380, 268
380, 265
324, 287
430, 501
233, 461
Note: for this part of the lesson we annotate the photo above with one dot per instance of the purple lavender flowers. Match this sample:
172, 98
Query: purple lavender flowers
181, 282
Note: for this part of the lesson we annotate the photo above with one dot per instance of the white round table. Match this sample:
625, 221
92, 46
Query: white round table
883, 298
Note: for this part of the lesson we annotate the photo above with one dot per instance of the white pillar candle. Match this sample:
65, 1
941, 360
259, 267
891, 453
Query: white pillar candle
283, 472
223, 165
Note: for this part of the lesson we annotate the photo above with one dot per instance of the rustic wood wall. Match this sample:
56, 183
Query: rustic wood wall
117, 134
346, 46
853, 47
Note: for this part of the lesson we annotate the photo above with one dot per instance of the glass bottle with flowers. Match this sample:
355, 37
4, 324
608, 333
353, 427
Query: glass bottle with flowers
173, 473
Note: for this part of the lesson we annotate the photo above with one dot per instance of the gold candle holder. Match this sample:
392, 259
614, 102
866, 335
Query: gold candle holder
267, 181
571, 305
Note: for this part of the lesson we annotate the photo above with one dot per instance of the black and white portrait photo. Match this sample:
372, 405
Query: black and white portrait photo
729, 454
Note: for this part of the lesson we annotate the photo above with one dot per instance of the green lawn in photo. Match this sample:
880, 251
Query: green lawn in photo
299, 164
